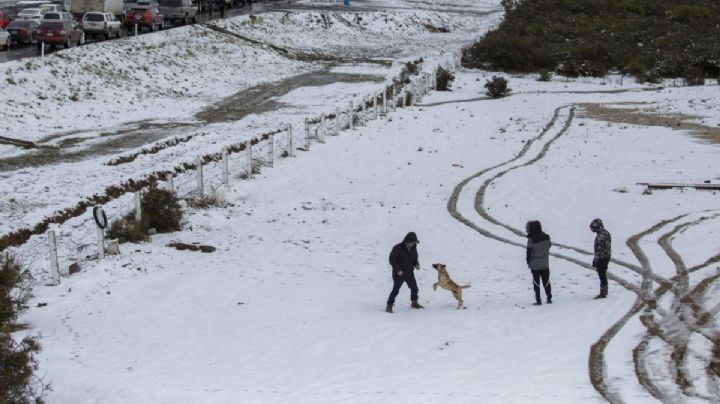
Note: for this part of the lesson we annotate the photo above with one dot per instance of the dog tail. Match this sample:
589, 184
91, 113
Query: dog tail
465, 287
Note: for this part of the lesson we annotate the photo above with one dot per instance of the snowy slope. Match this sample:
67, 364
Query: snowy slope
289, 309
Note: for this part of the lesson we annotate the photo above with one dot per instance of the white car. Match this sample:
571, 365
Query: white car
98, 23
31, 14
5, 39
50, 7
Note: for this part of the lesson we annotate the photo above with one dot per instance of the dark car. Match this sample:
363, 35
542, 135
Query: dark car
23, 31
60, 32
145, 17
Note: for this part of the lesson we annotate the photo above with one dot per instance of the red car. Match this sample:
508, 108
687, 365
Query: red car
60, 32
144, 17
4, 20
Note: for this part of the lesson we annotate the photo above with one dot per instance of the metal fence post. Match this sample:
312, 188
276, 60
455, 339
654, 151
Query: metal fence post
375, 105
171, 182
271, 150
320, 129
384, 98
54, 267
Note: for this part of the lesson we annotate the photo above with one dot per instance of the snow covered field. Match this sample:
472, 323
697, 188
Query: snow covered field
290, 307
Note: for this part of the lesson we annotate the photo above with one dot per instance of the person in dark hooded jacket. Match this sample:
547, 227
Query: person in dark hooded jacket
538, 259
404, 261
603, 254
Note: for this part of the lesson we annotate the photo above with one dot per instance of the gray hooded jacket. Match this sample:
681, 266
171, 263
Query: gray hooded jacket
538, 247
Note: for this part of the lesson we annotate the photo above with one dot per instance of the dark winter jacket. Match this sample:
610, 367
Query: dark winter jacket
404, 259
538, 247
603, 240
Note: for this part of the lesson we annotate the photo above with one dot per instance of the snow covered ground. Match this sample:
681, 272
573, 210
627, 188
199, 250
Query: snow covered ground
289, 309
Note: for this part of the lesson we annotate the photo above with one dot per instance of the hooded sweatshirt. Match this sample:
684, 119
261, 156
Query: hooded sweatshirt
538, 247
403, 258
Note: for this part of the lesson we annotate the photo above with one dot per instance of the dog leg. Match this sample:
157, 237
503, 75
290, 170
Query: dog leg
435, 285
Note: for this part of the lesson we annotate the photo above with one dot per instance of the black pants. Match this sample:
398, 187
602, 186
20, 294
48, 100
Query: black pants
543, 275
602, 267
407, 277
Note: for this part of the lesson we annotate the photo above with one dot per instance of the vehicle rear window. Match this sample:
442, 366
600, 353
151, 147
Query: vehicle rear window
52, 25
19, 24
52, 16
30, 11
171, 3
94, 17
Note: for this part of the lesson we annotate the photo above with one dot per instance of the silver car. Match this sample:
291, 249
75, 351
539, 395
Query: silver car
98, 23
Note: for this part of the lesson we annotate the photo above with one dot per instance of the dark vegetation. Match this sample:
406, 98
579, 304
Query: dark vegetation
18, 384
648, 39
160, 210
444, 79
496, 87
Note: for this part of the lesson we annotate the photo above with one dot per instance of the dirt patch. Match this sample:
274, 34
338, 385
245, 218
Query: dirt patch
263, 98
627, 114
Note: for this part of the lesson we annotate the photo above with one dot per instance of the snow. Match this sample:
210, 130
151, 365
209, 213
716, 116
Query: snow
290, 306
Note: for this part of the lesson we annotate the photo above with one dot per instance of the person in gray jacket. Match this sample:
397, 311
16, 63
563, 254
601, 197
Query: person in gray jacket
538, 257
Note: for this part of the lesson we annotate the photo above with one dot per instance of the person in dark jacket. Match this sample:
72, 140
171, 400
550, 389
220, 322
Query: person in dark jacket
538, 259
404, 261
210, 8
221, 7
603, 253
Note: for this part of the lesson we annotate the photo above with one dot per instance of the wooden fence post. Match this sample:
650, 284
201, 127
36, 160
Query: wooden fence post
249, 157
321, 129
363, 114
226, 170
375, 105
351, 113
394, 98
200, 179
101, 243
138, 207
307, 135
384, 101
54, 266
289, 141
337, 121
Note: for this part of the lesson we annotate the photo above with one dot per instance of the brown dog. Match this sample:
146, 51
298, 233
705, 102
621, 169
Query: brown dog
445, 282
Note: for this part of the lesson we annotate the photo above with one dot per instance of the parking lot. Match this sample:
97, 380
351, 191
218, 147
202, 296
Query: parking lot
21, 51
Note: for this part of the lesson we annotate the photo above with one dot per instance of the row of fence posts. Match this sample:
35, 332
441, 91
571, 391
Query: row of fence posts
379, 102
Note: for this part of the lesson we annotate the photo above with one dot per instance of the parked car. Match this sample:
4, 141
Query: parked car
57, 15
30, 14
145, 17
60, 32
5, 39
178, 10
23, 31
4, 19
97, 23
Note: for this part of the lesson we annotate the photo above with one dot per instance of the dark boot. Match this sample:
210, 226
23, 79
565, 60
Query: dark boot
388, 308
538, 299
415, 305
549, 300
603, 293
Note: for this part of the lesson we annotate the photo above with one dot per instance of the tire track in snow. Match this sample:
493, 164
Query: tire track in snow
597, 368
